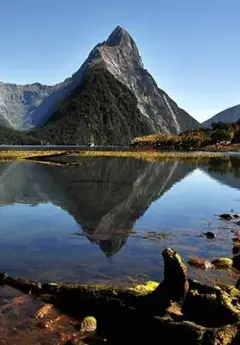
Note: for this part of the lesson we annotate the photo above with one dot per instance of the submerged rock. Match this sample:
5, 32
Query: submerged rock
199, 262
236, 232
222, 263
210, 235
43, 311
226, 216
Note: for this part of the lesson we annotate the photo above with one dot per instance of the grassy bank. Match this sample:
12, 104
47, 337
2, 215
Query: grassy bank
6, 155
147, 155
221, 137
71, 156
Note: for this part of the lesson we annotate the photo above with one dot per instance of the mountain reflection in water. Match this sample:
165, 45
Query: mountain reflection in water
106, 202
104, 195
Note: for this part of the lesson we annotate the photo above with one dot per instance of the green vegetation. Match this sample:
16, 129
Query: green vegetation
11, 137
25, 154
220, 134
100, 110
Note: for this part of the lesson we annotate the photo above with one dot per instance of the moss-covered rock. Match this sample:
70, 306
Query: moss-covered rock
146, 288
222, 263
88, 324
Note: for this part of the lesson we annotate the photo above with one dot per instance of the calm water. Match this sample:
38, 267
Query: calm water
93, 222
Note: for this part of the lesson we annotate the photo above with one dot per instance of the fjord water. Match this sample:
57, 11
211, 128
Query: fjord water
108, 219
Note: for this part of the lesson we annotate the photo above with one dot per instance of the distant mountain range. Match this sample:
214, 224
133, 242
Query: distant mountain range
110, 100
229, 115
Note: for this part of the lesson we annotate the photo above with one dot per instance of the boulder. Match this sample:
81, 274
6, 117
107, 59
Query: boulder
199, 262
226, 216
222, 263
175, 275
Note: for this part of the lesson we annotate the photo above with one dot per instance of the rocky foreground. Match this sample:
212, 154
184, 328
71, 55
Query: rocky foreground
176, 311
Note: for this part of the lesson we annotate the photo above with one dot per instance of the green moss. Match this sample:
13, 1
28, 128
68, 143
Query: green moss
146, 288
88, 324
222, 263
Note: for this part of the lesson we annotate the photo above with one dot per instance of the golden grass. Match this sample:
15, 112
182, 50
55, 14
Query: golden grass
12, 154
146, 155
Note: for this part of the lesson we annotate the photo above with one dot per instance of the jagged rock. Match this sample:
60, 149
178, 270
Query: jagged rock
175, 275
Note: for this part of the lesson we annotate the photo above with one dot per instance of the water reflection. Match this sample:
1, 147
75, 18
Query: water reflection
104, 195
225, 171
55, 219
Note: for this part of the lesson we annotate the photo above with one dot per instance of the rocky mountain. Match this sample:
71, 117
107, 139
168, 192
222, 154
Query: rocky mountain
229, 115
111, 97
19, 103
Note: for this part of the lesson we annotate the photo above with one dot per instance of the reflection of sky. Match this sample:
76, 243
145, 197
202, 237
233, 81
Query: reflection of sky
190, 203
23, 222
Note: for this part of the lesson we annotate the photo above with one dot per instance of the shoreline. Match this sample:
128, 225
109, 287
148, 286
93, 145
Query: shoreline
149, 155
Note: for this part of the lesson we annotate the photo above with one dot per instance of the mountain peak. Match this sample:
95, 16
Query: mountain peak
118, 36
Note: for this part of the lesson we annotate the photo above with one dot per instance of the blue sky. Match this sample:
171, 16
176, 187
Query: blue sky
191, 47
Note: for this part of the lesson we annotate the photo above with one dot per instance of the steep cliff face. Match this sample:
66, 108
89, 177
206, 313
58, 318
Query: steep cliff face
100, 110
229, 115
30, 106
121, 57
116, 67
